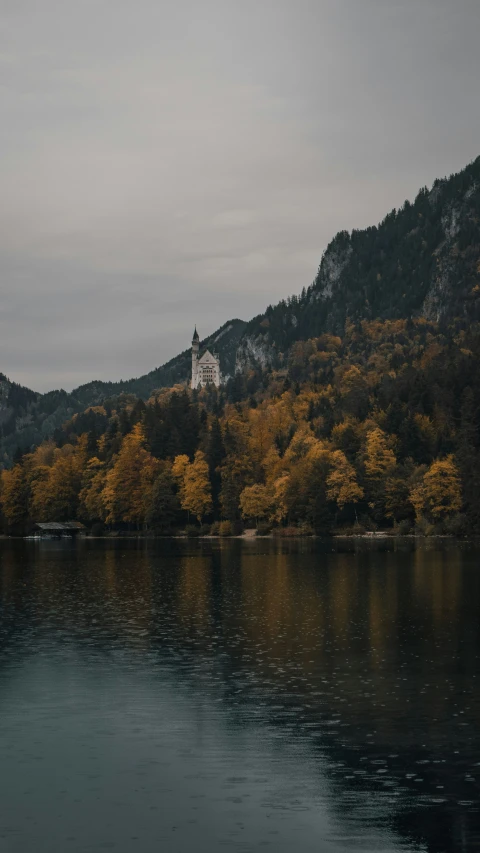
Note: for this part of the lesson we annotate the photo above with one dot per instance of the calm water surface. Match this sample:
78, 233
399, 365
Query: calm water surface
238, 696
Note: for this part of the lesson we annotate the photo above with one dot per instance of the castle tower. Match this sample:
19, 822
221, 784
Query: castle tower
195, 354
205, 368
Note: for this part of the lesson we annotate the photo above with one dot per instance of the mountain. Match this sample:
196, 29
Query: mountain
27, 418
422, 260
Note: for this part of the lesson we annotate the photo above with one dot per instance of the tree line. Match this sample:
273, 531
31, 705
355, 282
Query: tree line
379, 428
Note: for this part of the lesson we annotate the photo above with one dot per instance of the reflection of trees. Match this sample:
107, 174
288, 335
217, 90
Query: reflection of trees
7, 574
365, 656
438, 579
194, 592
125, 587
82, 591
378, 638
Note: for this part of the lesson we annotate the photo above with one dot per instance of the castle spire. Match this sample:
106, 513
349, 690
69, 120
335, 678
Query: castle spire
195, 357
205, 370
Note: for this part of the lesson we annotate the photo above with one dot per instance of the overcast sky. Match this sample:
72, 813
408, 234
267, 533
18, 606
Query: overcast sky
170, 163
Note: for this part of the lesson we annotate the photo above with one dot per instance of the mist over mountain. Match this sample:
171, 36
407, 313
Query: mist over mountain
423, 260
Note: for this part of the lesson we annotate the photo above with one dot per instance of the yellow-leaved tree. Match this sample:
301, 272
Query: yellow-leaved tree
179, 469
15, 496
91, 503
342, 485
56, 486
379, 457
129, 482
194, 484
255, 502
439, 495
380, 463
280, 498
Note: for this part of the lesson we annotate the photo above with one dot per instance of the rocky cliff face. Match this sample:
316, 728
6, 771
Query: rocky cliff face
254, 351
6, 410
422, 260
456, 274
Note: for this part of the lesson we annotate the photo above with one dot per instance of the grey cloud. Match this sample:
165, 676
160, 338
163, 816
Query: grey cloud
168, 163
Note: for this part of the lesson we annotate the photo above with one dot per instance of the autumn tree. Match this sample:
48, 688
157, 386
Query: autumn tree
255, 502
195, 488
129, 482
379, 457
180, 466
91, 503
64, 484
55, 487
342, 485
379, 465
299, 487
438, 496
281, 497
15, 497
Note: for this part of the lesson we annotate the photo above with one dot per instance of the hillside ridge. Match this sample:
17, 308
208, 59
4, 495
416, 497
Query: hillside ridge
422, 260
27, 417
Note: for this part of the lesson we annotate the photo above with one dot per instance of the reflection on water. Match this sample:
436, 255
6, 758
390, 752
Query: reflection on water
197, 697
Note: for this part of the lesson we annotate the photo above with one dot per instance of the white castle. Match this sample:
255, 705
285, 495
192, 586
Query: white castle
205, 370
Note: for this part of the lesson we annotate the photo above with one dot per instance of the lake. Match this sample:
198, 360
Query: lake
239, 696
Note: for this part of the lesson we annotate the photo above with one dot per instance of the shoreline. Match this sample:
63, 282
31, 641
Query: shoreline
249, 537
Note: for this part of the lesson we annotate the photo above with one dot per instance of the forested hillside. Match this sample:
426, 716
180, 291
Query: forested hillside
422, 260
377, 428
27, 418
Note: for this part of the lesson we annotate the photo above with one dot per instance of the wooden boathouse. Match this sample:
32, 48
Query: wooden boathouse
59, 529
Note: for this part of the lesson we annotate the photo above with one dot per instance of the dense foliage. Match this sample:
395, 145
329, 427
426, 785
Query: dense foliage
354, 402
379, 427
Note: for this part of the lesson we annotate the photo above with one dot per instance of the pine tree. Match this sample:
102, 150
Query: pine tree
215, 456
163, 506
